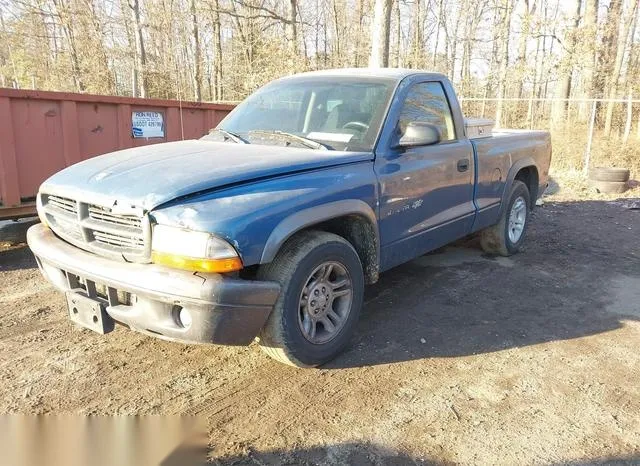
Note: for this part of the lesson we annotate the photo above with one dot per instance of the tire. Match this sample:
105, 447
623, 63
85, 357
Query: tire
496, 239
293, 334
610, 187
609, 174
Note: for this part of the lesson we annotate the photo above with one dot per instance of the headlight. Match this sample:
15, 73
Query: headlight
192, 250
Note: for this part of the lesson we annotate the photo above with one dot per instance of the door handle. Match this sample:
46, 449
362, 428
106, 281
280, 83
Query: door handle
463, 165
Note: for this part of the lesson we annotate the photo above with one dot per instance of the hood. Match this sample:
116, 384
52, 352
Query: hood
146, 177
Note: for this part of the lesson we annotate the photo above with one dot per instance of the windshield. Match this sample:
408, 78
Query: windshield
339, 113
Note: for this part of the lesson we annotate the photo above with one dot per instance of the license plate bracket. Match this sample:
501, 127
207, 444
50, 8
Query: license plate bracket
89, 313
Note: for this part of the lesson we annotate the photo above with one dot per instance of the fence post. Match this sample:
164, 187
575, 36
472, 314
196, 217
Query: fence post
587, 155
627, 126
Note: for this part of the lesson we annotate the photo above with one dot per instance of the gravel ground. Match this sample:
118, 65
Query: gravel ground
458, 358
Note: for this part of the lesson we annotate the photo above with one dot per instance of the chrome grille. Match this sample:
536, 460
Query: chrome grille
63, 204
105, 215
132, 242
98, 229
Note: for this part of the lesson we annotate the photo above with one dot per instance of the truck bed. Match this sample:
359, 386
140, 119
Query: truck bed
505, 151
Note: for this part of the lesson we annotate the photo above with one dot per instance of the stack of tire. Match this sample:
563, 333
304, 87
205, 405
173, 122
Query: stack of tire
609, 180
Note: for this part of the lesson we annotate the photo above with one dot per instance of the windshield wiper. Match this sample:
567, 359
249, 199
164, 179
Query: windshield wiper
292, 137
229, 135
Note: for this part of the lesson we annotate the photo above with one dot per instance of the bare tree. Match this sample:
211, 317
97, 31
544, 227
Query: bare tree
140, 78
565, 69
217, 58
507, 10
292, 26
588, 40
613, 78
197, 54
224, 49
64, 13
380, 34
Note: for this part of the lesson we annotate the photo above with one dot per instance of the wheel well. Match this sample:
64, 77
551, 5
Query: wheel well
529, 176
361, 234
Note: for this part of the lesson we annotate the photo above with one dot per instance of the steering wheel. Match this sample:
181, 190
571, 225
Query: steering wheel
356, 125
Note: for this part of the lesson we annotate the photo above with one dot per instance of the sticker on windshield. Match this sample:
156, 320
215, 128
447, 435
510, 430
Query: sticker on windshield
337, 137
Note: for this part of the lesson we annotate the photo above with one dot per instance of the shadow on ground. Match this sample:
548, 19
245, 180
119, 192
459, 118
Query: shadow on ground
364, 454
579, 275
14, 253
18, 257
352, 454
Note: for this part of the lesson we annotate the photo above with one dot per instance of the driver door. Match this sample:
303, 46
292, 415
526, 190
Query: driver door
426, 192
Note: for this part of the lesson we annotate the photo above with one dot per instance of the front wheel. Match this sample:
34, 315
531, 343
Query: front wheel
506, 237
322, 288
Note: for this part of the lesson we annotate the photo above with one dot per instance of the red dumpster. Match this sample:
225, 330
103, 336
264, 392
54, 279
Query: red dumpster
43, 132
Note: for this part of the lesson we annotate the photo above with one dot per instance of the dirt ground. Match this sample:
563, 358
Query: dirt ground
458, 358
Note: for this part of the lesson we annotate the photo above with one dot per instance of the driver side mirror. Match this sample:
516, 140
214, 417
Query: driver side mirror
418, 133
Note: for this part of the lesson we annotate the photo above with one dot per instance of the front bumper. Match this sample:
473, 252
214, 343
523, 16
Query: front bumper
147, 297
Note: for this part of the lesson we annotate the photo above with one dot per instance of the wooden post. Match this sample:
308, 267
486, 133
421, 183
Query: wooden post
587, 155
627, 126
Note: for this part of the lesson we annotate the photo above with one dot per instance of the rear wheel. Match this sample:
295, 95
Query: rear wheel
506, 237
322, 287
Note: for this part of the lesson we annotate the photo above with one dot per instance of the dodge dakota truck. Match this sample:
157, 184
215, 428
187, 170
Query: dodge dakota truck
269, 227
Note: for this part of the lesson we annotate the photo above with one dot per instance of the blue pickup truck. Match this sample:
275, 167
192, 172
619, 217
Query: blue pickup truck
269, 227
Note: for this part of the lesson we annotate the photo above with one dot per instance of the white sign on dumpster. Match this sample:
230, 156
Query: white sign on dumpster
147, 125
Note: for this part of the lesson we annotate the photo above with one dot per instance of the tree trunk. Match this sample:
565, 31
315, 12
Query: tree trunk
217, 57
588, 38
359, 33
336, 24
438, 23
66, 25
380, 34
563, 85
416, 34
454, 47
141, 55
530, 9
292, 27
606, 57
197, 54
398, 36
504, 60
623, 44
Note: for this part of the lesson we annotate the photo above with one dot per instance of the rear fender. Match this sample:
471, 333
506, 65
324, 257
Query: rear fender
511, 176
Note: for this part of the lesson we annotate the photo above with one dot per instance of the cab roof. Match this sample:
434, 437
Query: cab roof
396, 74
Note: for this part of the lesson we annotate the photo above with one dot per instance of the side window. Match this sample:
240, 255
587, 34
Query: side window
427, 102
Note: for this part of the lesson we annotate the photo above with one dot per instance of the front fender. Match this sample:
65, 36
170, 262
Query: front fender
314, 215
258, 217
